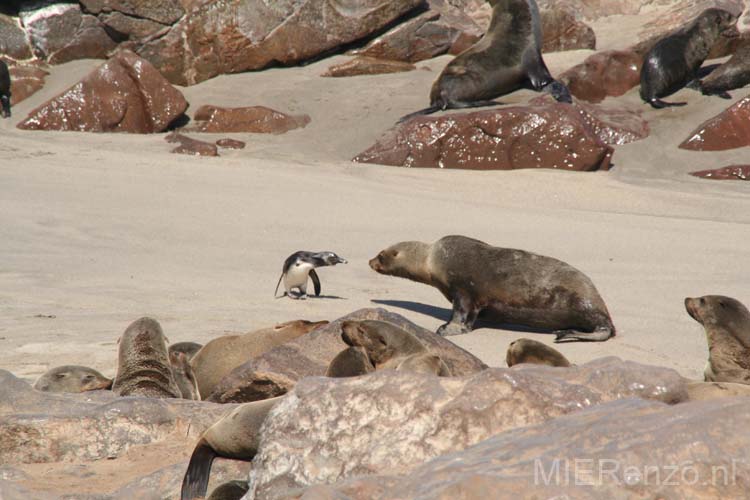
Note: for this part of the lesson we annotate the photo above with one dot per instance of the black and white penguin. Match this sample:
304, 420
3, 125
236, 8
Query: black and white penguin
300, 265
4, 89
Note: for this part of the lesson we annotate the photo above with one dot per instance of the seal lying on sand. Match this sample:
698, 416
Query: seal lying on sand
512, 286
72, 378
673, 61
727, 325
534, 352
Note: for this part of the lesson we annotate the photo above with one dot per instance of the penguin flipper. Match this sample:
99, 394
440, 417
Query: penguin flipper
277, 285
316, 282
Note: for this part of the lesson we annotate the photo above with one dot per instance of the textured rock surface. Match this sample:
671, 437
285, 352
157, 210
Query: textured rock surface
607, 73
125, 94
188, 146
682, 13
311, 354
620, 450
550, 136
728, 130
594, 9
26, 80
13, 42
732, 172
388, 421
231, 36
364, 65
562, 31
256, 119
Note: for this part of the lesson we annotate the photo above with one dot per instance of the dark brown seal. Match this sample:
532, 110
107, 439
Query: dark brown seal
72, 378
727, 325
235, 435
143, 367
4, 89
534, 352
673, 62
506, 59
189, 349
510, 286
351, 362
733, 74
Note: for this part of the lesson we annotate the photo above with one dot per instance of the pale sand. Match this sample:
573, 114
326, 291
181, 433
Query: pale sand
100, 229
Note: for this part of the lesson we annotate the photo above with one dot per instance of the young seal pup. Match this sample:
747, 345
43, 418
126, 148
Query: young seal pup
184, 376
512, 286
4, 89
72, 378
673, 61
508, 57
727, 325
298, 266
143, 367
534, 352
189, 349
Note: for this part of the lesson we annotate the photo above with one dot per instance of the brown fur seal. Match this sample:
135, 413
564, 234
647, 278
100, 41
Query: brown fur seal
673, 62
235, 435
143, 367
72, 378
184, 376
223, 354
513, 286
507, 58
4, 89
733, 74
351, 362
189, 349
390, 347
727, 325
534, 352
231, 490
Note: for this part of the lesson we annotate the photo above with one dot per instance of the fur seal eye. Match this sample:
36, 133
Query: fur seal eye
60, 375
88, 377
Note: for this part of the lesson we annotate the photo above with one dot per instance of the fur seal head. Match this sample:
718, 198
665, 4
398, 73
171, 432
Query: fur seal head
408, 259
72, 378
534, 352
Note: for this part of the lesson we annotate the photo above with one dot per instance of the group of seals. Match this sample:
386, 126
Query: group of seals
4, 89
511, 286
298, 266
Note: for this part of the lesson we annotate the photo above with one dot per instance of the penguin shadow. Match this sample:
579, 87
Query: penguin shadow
444, 314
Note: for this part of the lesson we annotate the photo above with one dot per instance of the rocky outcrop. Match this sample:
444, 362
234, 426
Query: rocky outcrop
25, 80
549, 136
189, 146
732, 173
13, 42
135, 19
682, 13
276, 371
607, 73
388, 421
125, 94
364, 65
255, 119
562, 31
728, 130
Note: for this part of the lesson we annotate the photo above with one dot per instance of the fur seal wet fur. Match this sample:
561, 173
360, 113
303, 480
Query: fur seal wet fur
534, 352
72, 378
143, 367
508, 285
733, 74
727, 325
673, 62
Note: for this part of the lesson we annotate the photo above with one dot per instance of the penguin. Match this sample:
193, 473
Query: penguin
5, 89
300, 265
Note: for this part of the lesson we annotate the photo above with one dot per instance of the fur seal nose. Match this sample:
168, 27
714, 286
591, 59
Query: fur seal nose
374, 264
690, 306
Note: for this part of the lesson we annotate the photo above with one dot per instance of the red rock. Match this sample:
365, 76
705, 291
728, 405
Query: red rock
26, 79
135, 19
188, 146
230, 144
363, 65
732, 172
728, 130
13, 41
257, 119
561, 31
232, 36
125, 94
551, 136
607, 73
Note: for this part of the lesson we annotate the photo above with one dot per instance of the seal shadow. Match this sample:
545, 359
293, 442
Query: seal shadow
444, 314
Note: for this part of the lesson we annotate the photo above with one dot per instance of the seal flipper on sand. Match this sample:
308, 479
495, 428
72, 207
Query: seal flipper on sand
195, 482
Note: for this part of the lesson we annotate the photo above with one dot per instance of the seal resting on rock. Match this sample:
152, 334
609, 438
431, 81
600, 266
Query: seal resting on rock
727, 325
673, 62
534, 352
143, 367
510, 286
72, 378
351, 362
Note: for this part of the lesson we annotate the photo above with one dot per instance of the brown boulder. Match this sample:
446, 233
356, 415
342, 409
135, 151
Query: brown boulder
188, 146
238, 35
257, 119
309, 356
388, 420
562, 31
125, 94
25, 80
13, 41
550, 136
364, 65
732, 172
728, 130
230, 143
607, 73
160, 11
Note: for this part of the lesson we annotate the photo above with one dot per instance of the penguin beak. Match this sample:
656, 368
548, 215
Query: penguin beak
341, 260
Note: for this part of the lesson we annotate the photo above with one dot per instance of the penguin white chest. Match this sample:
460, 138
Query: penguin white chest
297, 274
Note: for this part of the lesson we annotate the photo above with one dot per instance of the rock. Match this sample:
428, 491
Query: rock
280, 368
561, 31
701, 391
60, 32
728, 130
619, 450
732, 172
551, 136
160, 11
682, 13
125, 94
607, 73
232, 36
257, 119
363, 65
188, 146
595, 9
230, 144
389, 420
13, 43
733, 74
26, 80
